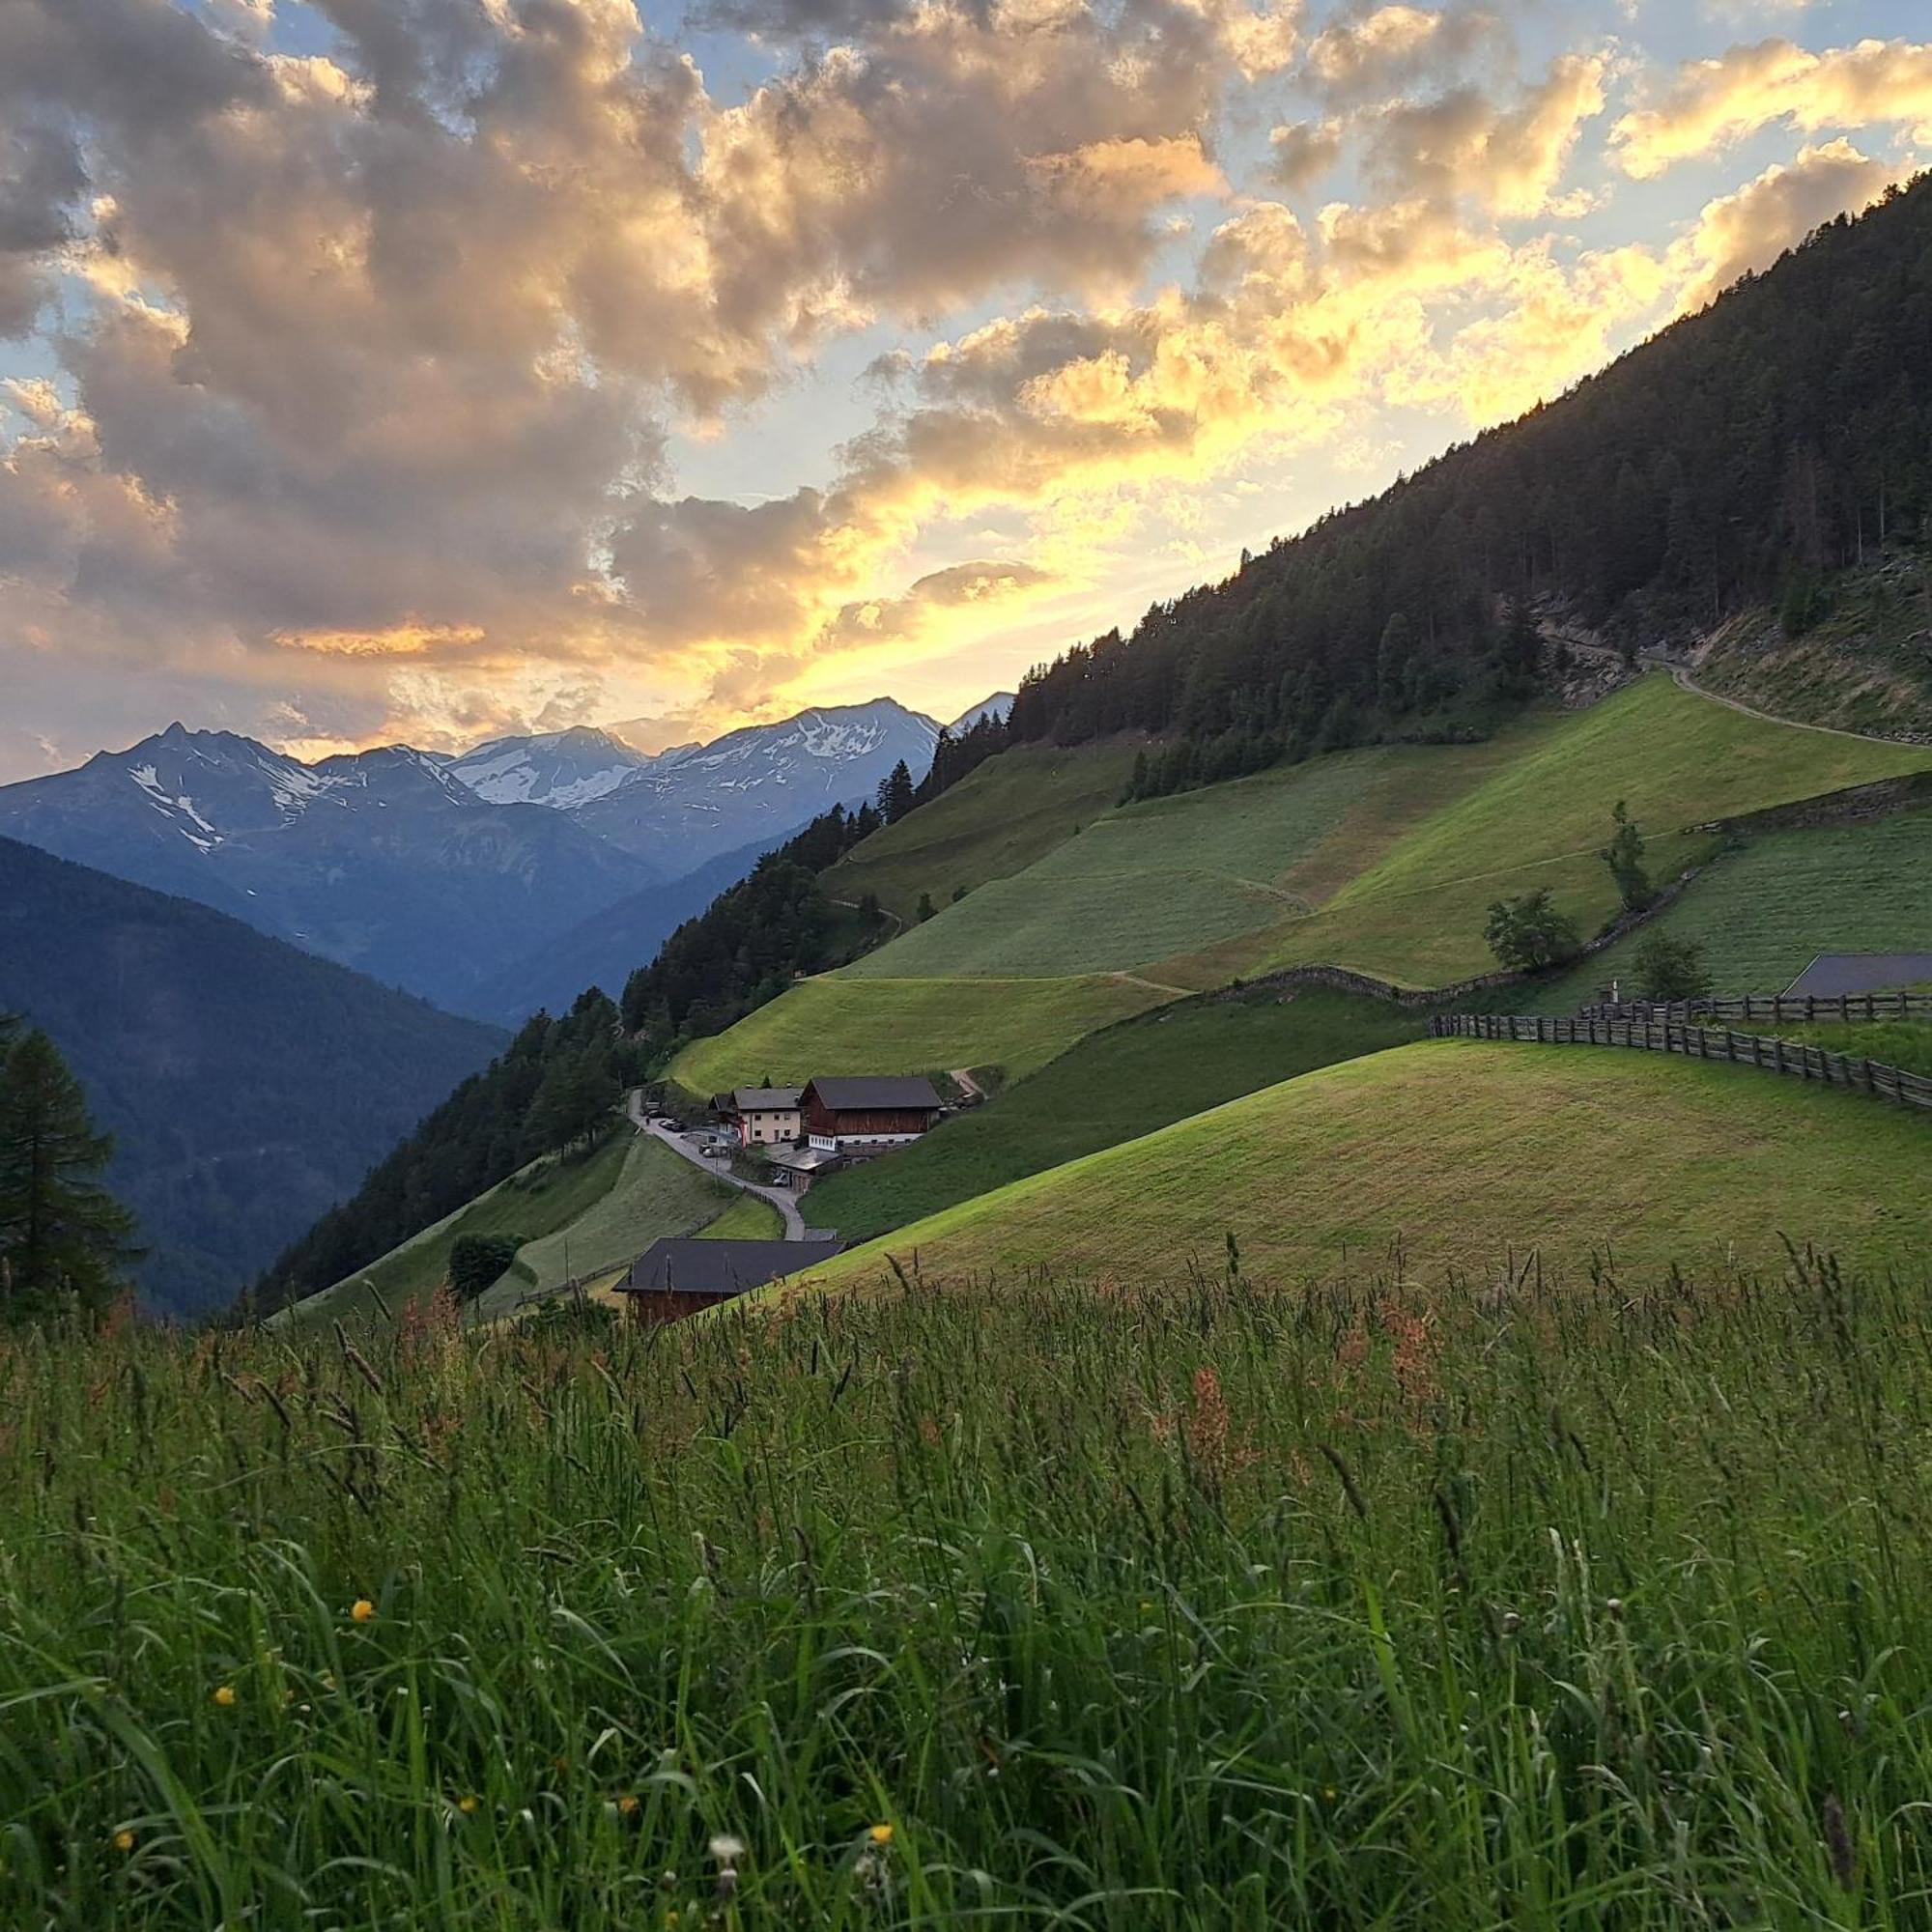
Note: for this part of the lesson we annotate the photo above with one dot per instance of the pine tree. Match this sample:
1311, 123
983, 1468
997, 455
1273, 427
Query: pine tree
62, 1237
896, 793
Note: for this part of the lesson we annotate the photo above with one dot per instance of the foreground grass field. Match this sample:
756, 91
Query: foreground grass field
839, 1025
1458, 1154
1124, 1610
1763, 912
1114, 1086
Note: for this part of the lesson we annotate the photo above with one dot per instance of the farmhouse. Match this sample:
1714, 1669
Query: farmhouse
761, 1116
674, 1278
867, 1115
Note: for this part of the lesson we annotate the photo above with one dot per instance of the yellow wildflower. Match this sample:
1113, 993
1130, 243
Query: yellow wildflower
467, 1803
880, 1835
123, 1841
363, 1609
224, 1695
628, 1806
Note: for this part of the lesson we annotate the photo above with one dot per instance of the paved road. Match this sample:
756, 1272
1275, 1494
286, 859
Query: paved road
778, 1197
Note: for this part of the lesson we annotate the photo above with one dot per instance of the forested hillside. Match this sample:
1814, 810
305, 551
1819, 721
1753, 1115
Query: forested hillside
1740, 457
247, 1084
555, 1087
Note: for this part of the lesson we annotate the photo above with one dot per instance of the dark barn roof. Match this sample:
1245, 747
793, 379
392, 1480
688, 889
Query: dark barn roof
689, 1265
877, 1093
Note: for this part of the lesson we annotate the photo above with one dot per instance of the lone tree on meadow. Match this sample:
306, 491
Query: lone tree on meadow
1624, 856
64, 1240
1527, 932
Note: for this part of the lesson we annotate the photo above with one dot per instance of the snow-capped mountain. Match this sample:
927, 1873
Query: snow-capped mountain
380, 859
996, 707
563, 768
687, 806
441, 875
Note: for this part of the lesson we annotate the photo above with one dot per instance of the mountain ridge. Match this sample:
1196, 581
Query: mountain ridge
250, 1084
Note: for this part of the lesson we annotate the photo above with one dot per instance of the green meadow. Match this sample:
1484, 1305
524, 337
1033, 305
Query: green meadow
997, 820
833, 1024
1112, 1086
1458, 1155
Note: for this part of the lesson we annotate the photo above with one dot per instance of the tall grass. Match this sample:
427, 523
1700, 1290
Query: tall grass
1591, 1604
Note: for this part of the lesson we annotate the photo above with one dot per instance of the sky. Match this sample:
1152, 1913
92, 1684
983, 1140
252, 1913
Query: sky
428, 370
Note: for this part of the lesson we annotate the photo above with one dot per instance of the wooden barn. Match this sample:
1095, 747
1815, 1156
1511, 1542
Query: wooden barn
675, 1277
868, 1114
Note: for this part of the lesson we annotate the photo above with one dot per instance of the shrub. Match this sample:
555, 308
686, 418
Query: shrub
1672, 969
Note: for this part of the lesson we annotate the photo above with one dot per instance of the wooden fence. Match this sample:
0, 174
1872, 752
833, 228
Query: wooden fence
1780, 1009
1699, 1043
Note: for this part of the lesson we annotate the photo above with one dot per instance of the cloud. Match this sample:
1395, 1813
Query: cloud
1301, 154
1377, 53
354, 411
1510, 159
1748, 230
1712, 103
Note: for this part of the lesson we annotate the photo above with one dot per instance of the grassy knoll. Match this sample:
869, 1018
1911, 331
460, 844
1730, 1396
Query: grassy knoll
998, 819
624, 1184
1114, 1086
839, 1025
654, 1192
1764, 911
1462, 1151
1206, 1611
747, 1219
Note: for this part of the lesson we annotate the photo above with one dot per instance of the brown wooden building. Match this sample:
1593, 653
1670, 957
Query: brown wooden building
869, 1115
674, 1278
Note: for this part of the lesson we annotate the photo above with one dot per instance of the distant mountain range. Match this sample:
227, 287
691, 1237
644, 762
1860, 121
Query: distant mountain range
463, 878
249, 1085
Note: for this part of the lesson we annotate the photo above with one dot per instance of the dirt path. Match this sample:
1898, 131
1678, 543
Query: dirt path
778, 1197
852, 905
1154, 985
963, 1078
1681, 673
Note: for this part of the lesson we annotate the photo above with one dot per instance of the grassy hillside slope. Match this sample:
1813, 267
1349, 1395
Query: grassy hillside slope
612, 1202
1466, 1153
998, 819
1763, 912
1400, 848
1113, 1087
1157, 878
839, 1025
1416, 916
1399, 851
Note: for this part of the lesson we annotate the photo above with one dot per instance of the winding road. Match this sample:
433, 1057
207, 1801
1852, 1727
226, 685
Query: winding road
778, 1197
